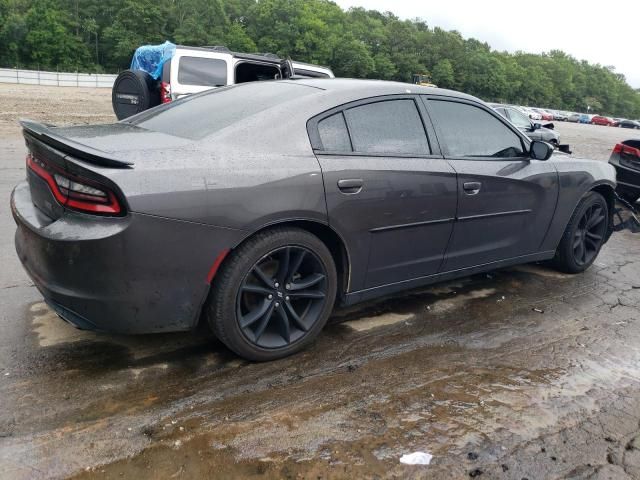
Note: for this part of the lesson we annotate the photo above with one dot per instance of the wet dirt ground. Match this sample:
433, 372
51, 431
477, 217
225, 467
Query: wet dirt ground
521, 373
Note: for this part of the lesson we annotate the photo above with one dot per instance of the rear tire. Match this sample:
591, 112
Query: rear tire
134, 91
584, 235
273, 295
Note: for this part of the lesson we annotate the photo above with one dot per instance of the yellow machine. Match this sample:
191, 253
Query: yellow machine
423, 79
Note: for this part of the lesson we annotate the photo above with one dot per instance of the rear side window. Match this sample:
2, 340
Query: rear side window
333, 134
390, 126
200, 71
469, 131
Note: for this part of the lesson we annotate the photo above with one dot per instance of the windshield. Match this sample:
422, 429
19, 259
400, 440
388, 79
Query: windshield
197, 116
519, 119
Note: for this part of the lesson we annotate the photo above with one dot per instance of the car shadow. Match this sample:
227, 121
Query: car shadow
62, 346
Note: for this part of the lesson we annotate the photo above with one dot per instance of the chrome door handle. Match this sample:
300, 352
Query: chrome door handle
471, 188
350, 185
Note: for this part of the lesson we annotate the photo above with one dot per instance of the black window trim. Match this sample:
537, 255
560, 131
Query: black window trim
305, 72
524, 140
316, 142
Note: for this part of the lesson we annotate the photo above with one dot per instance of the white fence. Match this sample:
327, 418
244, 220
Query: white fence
60, 79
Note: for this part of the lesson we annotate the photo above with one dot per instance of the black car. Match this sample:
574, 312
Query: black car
256, 207
629, 124
534, 131
625, 158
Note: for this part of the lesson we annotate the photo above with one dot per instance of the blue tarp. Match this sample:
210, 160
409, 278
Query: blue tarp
151, 58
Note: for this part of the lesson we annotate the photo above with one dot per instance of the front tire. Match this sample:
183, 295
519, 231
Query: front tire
584, 235
274, 294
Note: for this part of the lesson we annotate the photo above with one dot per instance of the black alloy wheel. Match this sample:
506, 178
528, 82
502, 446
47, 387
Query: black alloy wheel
584, 235
273, 294
589, 235
281, 297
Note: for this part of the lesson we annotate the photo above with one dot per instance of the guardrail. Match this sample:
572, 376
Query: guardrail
59, 79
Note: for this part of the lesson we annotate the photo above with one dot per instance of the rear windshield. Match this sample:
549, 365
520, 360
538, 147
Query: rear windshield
199, 115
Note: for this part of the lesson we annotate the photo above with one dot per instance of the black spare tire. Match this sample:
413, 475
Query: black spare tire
134, 91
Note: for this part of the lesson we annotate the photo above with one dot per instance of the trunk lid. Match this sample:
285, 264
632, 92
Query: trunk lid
57, 156
116, 140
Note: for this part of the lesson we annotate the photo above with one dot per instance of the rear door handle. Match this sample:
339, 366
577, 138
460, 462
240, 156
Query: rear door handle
471, 188
350, 185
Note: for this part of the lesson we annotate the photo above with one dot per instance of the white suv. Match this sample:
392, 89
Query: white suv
195, 69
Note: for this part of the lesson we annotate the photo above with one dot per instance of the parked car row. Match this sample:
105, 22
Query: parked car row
629, 124
535, 131
535, 113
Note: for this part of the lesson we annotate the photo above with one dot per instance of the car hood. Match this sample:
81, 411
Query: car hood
549, 132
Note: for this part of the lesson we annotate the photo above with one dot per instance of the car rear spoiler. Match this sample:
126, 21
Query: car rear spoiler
83, 152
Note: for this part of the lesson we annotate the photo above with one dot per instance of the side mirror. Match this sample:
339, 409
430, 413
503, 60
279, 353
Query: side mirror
540, 150
537, 126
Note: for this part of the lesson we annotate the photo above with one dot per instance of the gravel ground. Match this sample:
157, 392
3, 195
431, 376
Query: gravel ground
56, 105
522, 373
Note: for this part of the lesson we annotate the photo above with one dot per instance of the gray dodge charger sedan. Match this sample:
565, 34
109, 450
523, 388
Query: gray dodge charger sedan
257, 207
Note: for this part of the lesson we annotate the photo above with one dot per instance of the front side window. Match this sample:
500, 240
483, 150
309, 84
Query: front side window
202, 72
470, 131
387, 127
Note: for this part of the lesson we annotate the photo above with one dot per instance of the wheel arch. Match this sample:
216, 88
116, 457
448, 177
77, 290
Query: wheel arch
332, 239
608, 192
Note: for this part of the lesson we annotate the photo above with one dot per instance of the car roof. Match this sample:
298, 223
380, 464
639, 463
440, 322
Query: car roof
262, 57
369, 88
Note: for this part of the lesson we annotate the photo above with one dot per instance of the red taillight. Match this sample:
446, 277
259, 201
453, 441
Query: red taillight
165, 92
627, 150
75, 192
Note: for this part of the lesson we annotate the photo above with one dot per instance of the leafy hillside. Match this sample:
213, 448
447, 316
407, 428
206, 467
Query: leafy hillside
100, 35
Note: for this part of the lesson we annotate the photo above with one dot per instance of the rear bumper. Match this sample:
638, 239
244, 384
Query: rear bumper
627, 179
133, 274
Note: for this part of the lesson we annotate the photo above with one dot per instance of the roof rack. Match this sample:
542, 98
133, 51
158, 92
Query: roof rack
217, 48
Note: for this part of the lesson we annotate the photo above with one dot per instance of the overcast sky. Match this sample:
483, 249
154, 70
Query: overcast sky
599, 32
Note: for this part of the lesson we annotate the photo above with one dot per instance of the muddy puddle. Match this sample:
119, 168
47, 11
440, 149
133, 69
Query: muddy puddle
466, 371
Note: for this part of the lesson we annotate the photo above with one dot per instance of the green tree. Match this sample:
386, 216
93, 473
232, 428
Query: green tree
443, 74
50, 41
99, 35
351, 58
138, 22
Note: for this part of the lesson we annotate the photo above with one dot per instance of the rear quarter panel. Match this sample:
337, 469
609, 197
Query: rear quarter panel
248, 175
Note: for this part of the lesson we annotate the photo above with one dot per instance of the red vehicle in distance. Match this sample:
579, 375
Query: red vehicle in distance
600, 120
543, 113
